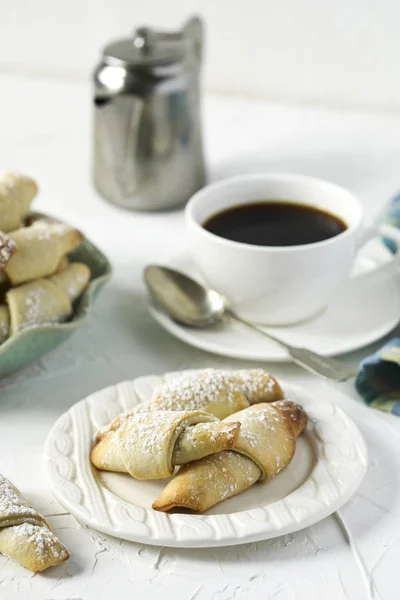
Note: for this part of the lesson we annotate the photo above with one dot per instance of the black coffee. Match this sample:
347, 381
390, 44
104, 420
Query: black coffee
274, 224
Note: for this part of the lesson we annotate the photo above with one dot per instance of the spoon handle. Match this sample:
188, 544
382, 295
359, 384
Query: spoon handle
323, 366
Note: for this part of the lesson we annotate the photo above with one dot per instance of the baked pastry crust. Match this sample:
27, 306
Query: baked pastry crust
25, 534
218, 392
42, 301
72, 279
148, 445
40, 249
265, 446
7, 249
211, 390
36, 303
16, 195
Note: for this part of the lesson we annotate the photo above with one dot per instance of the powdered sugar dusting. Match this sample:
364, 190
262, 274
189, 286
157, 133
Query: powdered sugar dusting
258, 386
11, 502
7, 249
257, 424
43, 229
147, 445
32, 302
211, 390
76, 285
151, 429
47, 548
238, 473
210, 480
119, 419
39, 305
28, 528
203, 439
72, 279
294, 412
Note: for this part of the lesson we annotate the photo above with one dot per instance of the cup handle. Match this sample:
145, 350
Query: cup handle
386, 231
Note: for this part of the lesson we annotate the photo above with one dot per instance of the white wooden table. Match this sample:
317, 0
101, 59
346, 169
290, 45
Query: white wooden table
45, 131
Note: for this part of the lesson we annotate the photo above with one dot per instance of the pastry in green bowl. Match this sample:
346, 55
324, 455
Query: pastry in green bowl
50, 275
32, 342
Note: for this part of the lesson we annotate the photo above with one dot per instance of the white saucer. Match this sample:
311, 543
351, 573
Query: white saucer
328, 466
366, 309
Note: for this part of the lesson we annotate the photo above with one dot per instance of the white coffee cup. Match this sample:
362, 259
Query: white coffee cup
285, 284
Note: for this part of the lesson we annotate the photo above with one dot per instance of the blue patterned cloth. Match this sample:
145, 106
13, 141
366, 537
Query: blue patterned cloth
378, 381
391, 216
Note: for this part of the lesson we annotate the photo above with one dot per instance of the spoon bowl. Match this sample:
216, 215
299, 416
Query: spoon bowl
183, 298
194, 305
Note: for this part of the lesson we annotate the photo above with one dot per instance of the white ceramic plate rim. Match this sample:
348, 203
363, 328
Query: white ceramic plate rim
338, 443
272, 353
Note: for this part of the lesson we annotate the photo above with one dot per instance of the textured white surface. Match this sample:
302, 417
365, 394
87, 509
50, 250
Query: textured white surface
338, 455
342, 53
44, 131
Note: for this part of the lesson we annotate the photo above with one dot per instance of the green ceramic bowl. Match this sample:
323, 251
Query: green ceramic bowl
32, 343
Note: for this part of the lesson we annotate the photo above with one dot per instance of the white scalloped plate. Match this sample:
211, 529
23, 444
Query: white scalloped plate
328, 467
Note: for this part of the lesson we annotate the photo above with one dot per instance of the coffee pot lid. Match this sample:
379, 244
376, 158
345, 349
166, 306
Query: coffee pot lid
148, 47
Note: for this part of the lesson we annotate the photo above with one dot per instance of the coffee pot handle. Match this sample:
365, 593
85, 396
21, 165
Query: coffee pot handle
193, 30
191, 34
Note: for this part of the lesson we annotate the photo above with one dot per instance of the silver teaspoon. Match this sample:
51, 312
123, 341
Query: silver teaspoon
190, 303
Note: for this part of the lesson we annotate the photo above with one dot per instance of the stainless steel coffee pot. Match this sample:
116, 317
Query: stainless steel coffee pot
148, 152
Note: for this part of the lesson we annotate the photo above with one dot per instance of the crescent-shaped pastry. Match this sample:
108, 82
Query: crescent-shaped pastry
72, 279
37, 303
265, 446
16, 195
119, 419
211, 390
258, 386
42, 301
148, 445
40, 249
220, 393
25, 535
208, 390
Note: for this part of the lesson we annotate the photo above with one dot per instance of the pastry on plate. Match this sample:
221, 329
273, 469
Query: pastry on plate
25, 535
218, 392
258, 385
214, 391
265, 446
148, 445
